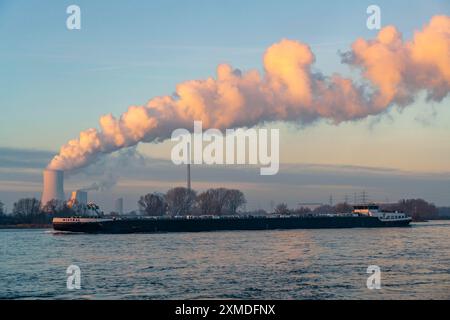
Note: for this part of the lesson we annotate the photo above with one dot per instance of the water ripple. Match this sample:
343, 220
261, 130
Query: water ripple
294, 264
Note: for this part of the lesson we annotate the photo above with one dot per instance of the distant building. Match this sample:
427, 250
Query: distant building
79, 197
78, 202
118, 206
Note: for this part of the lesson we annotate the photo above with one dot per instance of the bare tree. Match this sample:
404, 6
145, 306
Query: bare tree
220, 199
29, 211
27, 207
180, 201
2, 208
343, 207
153, 204
324, 209
234, 200
205, 203
282, 209
418, 209
59, 208
53, 206
302, 211
213, 201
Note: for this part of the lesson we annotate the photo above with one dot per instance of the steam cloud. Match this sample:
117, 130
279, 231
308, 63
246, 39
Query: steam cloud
102, 185
394, 72
106, 171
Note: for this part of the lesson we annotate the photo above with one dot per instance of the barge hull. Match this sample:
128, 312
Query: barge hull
224, 224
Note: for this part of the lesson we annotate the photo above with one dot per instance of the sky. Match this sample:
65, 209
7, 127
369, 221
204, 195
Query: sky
55, 83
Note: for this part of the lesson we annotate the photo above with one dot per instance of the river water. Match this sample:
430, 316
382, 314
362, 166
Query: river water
295, 264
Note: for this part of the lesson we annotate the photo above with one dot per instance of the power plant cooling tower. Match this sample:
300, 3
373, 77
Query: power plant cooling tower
53, 186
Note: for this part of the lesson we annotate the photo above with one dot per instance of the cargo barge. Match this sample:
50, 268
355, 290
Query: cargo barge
367, 216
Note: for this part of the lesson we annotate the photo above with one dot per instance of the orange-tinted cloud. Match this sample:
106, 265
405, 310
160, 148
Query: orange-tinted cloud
395, 71
399, 69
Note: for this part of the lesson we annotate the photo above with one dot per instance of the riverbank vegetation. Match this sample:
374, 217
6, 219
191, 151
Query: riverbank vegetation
418, 209
180, 201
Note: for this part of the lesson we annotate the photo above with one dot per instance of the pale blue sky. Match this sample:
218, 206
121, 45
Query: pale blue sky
58, 82
55, 82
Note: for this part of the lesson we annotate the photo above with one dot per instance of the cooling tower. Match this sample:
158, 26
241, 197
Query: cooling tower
53, 186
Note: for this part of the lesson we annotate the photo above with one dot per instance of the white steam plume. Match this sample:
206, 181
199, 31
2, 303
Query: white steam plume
395, 71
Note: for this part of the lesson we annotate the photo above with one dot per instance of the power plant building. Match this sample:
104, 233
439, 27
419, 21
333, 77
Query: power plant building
118, 206
79, 196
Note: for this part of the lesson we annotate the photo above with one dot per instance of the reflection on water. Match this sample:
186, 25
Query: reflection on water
295, 264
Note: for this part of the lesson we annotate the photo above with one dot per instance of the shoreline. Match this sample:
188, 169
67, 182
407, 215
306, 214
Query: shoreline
50, 226
26, 226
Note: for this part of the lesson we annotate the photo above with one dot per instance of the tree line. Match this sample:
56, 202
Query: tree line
175, 202
31, 211
418, 209
283, 209
182, 201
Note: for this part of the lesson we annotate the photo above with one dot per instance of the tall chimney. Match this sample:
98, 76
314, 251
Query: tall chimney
118, 206
53, 186
189, 168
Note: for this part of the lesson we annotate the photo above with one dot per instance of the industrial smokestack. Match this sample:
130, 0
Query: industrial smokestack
189, 176
53, 186
189, 168
118, 206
